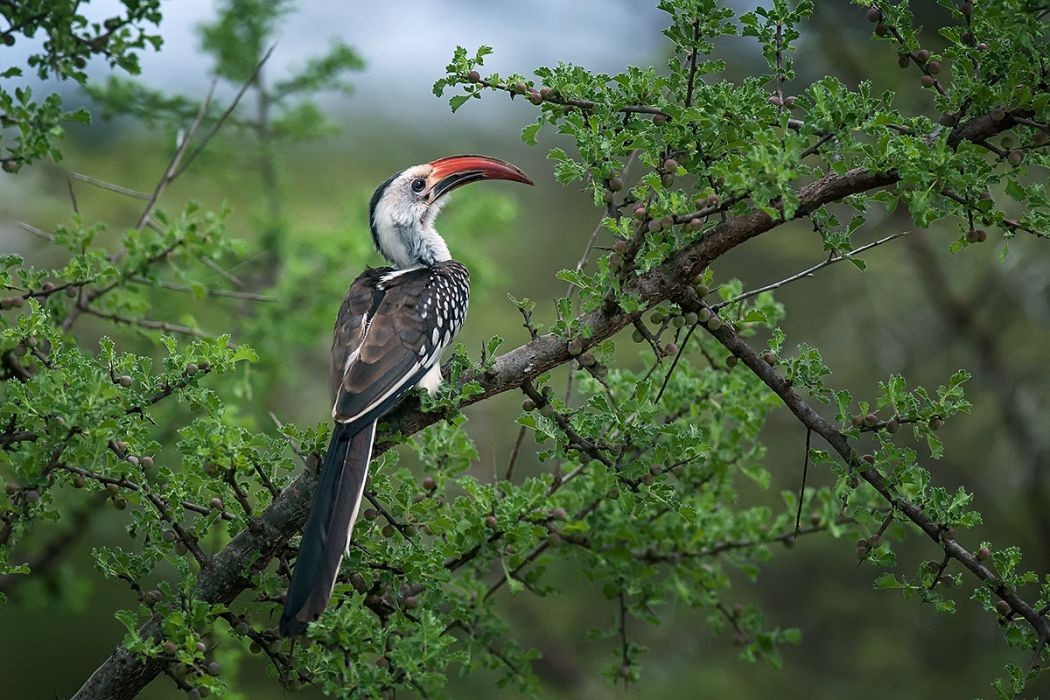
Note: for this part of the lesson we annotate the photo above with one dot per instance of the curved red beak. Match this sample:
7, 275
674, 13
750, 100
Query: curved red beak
454, 171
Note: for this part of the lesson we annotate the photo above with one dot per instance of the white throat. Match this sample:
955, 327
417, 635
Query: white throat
406, 235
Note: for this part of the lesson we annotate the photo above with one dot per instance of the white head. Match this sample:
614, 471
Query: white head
402, 211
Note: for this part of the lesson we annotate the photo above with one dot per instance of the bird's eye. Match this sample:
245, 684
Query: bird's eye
418, 184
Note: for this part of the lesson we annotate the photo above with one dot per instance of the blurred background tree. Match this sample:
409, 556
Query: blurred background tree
680, 509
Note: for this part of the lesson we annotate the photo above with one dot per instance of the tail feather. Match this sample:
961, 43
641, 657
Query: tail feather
327, 534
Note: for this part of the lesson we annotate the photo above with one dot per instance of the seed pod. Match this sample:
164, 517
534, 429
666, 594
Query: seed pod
216, 503
1015, 157
654, 226
701, 289
704, 315
473, 76
858, 421
691, 318
639, 212
491, 522
775, 101
125, 380
934, 67
535, 98
927, 81
671, 349
667, 180
678, 321
659, 119
874, 15
388, 531
983, 553
670, 165
904, 60
132, 460
370, 514
714, 323
871, 420
520, 87
146, 461
922, 55
1003, 608
789, 101
892, 426
429, 483
615, 184
657, 317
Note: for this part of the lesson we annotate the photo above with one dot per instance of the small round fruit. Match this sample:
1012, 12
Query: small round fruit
473, 76
1003, 608
934, 67
429, 483
535, 98
922, 55
927, 81
983, 553
491, 522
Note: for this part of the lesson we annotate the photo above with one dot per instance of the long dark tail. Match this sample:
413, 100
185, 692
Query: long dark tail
327, 532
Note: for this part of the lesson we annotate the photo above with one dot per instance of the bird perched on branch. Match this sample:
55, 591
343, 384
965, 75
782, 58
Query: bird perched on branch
391, 330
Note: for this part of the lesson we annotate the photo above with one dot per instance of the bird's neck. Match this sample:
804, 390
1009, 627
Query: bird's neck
415, 246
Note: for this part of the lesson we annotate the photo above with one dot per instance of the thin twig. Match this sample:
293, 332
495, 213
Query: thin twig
808, 272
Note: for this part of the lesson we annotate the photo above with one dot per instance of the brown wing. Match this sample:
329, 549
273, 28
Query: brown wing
388, 335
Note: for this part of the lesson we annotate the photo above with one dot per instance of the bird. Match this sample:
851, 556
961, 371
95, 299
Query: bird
389, 334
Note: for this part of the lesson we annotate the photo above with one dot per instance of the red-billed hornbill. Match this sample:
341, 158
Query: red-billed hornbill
391, 330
